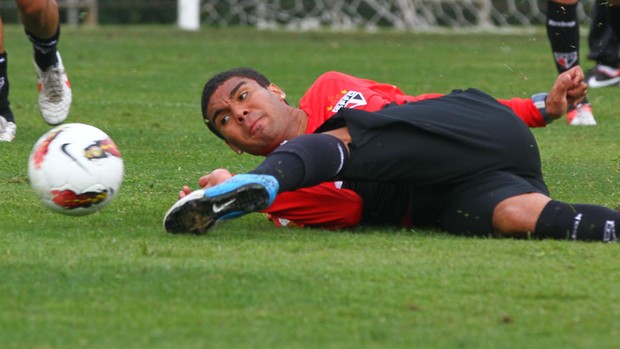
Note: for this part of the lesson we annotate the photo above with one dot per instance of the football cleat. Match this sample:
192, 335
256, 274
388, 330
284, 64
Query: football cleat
7, 130
581, 115
54, 93
603, 76
202, 209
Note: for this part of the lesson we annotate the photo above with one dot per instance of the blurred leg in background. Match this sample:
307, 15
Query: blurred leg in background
603, 47
563, 34
42, 25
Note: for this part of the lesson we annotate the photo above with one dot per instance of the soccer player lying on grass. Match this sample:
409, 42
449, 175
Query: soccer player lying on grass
475, 156
336, 205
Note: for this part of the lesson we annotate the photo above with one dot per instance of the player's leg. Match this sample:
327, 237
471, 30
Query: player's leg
302, 162
42, 25
603, 49
546, 218
517, 215
482, 205
614, 17
563, 34
517, 199
7, 121
500, 212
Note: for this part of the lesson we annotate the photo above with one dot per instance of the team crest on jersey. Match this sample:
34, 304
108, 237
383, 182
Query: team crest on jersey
351, 99
567, 59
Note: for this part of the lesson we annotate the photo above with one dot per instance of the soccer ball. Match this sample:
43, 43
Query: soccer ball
75, 169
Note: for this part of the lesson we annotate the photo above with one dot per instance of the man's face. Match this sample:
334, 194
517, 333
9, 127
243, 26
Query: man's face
251, 118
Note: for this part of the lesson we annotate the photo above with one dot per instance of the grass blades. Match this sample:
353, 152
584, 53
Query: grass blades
115, 279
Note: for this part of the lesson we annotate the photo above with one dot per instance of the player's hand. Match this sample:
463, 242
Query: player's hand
207, 181
568, 89
214, 178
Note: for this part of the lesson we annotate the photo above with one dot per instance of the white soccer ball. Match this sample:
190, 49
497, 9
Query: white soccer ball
75, 169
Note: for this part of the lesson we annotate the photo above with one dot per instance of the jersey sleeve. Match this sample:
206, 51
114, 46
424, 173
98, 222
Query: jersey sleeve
323, 205
526, 110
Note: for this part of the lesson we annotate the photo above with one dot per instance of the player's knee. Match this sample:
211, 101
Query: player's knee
508, 219
34, 7
518, 214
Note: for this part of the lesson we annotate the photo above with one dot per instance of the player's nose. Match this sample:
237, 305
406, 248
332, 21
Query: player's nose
240, 114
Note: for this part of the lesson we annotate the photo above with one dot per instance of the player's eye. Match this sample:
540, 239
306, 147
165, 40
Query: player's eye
243, 96
224, 119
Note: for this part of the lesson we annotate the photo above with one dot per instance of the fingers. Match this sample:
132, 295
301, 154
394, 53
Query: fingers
578, 85
557, 101
576, 94
578, 89
568, 89
203, 181
182, 193
576, 74
579, 75
214, 178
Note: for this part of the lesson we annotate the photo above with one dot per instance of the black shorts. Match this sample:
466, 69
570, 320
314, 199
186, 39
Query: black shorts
464, 153
467, 208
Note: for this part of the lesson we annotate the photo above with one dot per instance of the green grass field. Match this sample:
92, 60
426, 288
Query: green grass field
115, 279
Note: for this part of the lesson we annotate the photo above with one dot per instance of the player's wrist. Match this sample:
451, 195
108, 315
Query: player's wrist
540, 102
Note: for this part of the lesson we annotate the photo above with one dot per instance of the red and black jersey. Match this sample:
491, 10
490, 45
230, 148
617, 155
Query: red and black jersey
329, 205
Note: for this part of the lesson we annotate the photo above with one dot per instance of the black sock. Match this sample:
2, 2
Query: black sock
305, 161
45, 50
5, 109
560, 220
563, 33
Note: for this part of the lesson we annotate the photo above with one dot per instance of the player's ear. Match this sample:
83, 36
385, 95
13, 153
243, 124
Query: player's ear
277, 91
235, 149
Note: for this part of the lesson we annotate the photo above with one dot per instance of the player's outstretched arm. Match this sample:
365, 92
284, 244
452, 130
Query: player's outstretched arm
568, 89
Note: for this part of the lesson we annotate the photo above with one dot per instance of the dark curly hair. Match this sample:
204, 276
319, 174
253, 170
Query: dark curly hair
220, 78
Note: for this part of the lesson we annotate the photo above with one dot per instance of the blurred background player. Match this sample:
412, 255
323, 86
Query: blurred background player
603, 49
614, 16
563, 33
7, 122
42, 25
